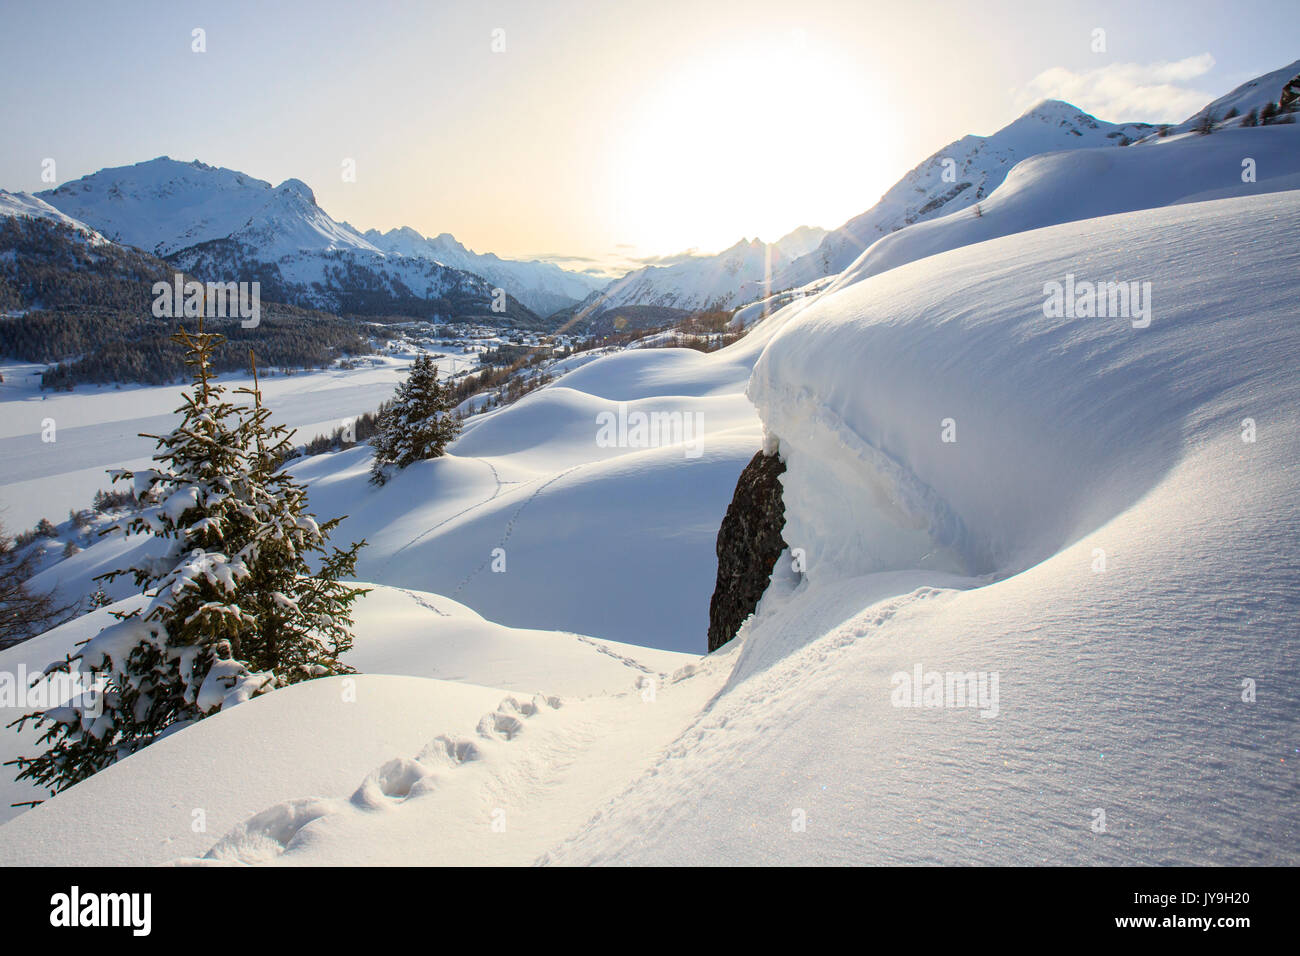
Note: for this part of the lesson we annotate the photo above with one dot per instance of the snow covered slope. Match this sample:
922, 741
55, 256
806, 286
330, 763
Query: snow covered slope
163, 205
956, 177
27, 206
435, 652
1251, 95
702, 283
1099, 548
535, 479
1142, 572
1086, 183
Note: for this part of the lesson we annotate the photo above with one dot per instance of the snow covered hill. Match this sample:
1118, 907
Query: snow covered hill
703, 283
228, 223
162, 206
1087, 183
1135, 560
1106, 548
956, 177
1251, 95
27, 206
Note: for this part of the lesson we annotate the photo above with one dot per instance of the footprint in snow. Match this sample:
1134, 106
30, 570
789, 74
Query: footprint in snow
275, 830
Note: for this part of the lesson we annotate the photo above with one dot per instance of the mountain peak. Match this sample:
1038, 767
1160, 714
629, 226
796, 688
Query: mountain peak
296, 189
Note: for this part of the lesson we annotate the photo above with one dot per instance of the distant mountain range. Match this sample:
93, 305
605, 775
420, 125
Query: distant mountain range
957, 176
704, 283
220, 223
542, 286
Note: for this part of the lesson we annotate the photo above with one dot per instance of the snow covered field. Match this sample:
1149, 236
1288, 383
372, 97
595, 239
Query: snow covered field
1101, 545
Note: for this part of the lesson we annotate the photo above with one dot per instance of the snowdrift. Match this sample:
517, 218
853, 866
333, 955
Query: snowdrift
1136, 621
1080, 184
964, 429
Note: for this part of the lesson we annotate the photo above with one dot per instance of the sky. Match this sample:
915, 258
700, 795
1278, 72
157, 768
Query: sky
595, 134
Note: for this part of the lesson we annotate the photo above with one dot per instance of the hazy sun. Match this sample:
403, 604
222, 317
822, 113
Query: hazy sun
754, 138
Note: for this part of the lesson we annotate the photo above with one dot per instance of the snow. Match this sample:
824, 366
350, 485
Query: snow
1087, 183
956, 177
27, 206
168, 207
323, 734
1107, 549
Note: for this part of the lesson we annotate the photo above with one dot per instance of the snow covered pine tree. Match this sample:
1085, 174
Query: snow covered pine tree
416, 424
233, 609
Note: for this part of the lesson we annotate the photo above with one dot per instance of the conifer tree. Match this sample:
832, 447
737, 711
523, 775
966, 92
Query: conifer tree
303, 616
232, 609
417, 423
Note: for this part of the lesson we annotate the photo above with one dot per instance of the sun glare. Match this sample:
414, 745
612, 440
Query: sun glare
754, 139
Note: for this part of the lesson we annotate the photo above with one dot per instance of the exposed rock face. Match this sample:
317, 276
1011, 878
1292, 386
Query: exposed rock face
749, 542
1290, 97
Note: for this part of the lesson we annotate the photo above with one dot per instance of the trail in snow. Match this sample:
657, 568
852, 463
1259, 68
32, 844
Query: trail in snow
491, 797
496, 478
510, 527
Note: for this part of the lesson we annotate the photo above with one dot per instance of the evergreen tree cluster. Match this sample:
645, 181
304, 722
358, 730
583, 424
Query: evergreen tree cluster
129, 348
89, 308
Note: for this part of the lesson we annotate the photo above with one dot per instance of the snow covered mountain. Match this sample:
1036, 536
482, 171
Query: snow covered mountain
162, 206
1251, 95
960, 175
542, 286
27, 206
222, 223
703, 283
1087, 183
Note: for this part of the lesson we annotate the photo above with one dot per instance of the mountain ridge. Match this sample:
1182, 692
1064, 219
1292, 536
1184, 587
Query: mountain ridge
188, 211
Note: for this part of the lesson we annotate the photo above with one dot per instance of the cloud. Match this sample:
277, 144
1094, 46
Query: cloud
1126, 92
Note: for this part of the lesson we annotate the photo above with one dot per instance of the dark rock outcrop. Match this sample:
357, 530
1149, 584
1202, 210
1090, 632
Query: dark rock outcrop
1290, 98
749, 542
